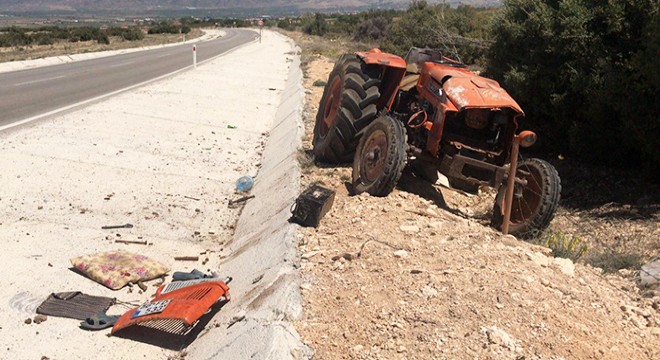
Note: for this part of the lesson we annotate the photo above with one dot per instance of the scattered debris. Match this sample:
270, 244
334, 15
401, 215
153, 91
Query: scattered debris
347, 256
237, 318
244, 183
186, 258
125, 226
74, 304
115, 269
312, 205
232, 127
99, 321
241, 199
144, 242
191, 198
177, 306
141, 285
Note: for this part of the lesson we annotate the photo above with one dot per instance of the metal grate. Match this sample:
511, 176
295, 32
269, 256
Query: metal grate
181, 284
172, 326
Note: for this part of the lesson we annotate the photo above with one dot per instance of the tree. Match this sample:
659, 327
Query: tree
572, 64
315, 26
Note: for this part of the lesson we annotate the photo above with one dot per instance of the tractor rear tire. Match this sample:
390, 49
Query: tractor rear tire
348, 105
533, 211
380, 157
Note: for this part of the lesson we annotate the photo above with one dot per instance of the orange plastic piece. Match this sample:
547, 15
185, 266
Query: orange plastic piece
185, 305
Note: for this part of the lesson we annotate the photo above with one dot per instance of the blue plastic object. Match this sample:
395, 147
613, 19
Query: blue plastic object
244, 183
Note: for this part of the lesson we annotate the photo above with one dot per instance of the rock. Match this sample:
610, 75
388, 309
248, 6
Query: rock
40, 318
343, 257
401, 253
566, 266
358, 348
28, 321
649, 274
429, 292
499, 337
436, 225
539, 259
545, 282
309, 255
411, 229
401, 349
655, 331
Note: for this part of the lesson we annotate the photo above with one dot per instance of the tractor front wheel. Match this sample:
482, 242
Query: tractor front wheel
380, 157
535, 203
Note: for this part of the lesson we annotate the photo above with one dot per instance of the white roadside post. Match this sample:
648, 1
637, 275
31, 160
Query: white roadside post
261, 26
195, 56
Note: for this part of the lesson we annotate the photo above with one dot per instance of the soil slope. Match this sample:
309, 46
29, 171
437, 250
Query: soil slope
418, 275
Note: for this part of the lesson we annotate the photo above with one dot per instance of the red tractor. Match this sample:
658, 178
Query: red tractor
383, 112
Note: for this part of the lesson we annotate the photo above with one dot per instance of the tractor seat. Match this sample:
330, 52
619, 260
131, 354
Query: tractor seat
408, 82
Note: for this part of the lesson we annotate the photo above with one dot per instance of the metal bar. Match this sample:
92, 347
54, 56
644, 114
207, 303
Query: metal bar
508, 199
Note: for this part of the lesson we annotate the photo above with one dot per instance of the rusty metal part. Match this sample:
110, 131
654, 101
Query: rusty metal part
508, 199
456, 167
460, 145
375, 150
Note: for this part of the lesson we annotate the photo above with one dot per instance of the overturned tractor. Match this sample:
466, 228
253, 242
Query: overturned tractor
383, 112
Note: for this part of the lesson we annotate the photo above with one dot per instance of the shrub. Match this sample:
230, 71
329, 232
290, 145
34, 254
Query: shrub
316, 25
613, 261
575, 65
563, 245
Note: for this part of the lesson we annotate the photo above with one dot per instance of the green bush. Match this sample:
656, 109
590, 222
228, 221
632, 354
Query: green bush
286, 24
315, 25
165, 27
575, 66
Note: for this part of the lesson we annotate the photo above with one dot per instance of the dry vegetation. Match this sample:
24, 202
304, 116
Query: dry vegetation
63, 48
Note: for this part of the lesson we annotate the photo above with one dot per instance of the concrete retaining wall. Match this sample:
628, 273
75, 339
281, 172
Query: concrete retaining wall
261, 257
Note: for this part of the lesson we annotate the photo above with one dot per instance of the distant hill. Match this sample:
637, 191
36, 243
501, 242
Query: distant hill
208, 6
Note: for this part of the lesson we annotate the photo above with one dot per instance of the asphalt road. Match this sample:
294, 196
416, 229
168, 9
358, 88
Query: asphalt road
29, 93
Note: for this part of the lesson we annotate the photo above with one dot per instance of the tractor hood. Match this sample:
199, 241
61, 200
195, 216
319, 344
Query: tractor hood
466, 89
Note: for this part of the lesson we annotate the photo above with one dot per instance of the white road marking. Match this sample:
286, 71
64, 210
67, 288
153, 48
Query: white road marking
122, 64
40, 80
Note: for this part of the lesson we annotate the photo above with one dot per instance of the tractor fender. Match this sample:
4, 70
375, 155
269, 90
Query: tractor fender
392, 70
377, 57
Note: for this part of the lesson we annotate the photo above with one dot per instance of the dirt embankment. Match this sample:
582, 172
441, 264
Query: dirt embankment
418, 275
